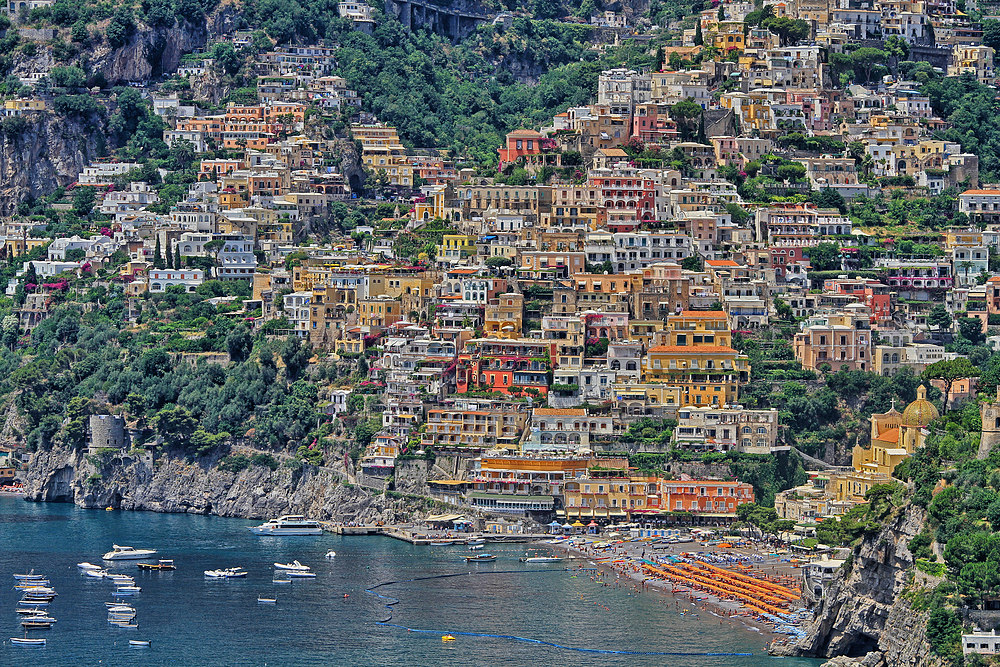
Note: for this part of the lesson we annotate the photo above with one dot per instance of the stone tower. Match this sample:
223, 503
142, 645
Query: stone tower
990, 412
107, 431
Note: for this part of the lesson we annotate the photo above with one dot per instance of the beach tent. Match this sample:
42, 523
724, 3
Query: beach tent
568, 527
554, 527
592, 528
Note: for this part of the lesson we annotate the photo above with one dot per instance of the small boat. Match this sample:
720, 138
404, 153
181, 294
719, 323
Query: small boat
288, 525
294, 565
447, 638
26, 585
32, 604
440, 543
330, 555
126, 625
476, 540
476, 547
127, 590
480, 558
161, 565
541, 559
261, 600
128, 553
138, 642
96, 574
300, 574
228, 573
88, 566
36, 624
25, 641
27, 577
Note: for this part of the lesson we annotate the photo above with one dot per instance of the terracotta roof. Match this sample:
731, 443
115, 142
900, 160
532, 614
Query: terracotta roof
981, 192
704, 314
524, 133
889, 435
701, 349
574, 412
723, 262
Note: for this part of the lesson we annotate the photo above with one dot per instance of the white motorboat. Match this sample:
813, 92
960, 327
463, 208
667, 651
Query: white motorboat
293, 566
26, 641
476, 547
288, 525
138, 642
261, 600
330, 555
120, 579
228, 573
88, 566
541, 559
281, 581
476, 540
120, 607
301, 574
127, 590
96, 574
128, 553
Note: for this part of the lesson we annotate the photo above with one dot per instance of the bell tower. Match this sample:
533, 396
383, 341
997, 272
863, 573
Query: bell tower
990, 412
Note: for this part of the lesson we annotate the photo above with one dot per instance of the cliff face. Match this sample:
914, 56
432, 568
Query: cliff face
864, 614
171, 484
150, 52
51, 152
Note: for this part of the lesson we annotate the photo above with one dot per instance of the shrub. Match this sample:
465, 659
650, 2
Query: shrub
264, 461
235, 463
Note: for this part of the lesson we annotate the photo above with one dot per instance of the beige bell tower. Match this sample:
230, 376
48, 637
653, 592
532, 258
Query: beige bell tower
990, 412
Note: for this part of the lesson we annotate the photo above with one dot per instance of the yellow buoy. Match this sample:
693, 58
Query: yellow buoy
109, 508
447, 638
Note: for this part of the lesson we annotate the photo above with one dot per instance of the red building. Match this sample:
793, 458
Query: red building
490, 364
628, 197
531, 148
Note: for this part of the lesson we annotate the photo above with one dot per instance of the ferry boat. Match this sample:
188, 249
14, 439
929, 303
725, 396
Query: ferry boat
128, 553
290, 524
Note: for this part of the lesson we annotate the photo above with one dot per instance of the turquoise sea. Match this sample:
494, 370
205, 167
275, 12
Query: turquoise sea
194, 621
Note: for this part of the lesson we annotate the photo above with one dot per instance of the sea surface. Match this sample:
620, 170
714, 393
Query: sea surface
333, 619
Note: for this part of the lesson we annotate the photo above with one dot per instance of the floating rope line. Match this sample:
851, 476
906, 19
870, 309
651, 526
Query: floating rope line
527, 640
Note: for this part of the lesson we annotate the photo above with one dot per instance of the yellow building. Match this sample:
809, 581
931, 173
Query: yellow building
894, 438
729, 37
698, 358
504, 316
16, 107
455, 247
378, 313
382, 151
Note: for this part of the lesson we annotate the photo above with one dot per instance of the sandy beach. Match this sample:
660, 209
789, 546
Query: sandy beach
619, 565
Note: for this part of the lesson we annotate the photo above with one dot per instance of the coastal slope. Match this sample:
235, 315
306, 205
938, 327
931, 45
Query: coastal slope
175, 484
865, 614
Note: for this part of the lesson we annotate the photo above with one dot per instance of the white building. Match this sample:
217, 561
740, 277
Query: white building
105, 173
161, 279
236, 259
296, 306
983, 643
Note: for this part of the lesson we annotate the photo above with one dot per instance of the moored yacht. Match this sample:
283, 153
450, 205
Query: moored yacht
290, 524
128, 553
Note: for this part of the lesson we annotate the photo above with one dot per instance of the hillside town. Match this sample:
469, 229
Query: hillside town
597, 295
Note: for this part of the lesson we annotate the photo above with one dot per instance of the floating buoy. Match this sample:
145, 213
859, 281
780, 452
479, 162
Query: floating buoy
447, 638
346, 596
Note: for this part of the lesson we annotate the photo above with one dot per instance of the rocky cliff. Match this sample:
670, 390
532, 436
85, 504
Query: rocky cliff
173, 484
149, 52
864, 614
49, 152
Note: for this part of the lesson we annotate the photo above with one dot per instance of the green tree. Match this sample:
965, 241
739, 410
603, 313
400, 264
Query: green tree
688, 115
971, 329
175, 425
950, 371
239, 342
824, 256
692, 263
939, 317
296, 357
157, 255
944, 631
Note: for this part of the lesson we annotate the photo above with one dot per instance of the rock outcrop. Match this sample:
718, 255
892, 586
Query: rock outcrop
173, 484
149, 52
50, 152
865, 614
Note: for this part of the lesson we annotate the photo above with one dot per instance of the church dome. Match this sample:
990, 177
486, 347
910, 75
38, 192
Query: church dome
920, 412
